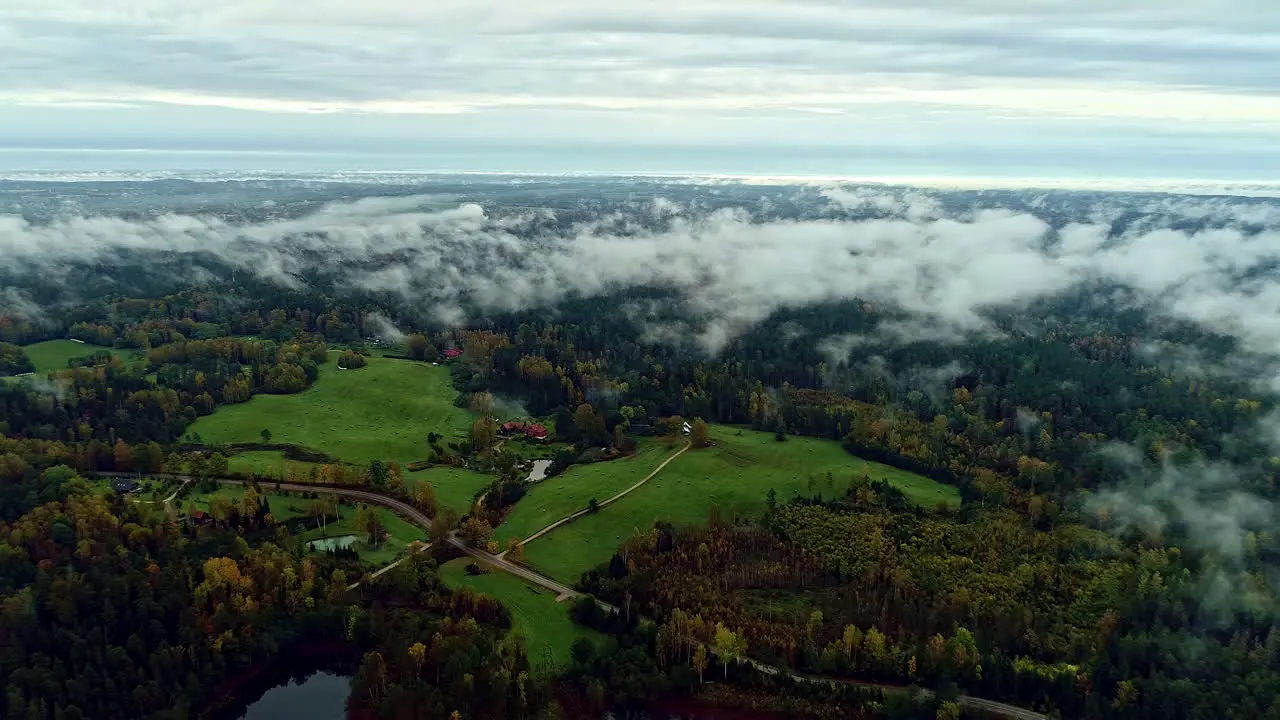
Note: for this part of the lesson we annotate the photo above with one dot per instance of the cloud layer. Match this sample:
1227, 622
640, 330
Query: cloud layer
943, 262
913, 74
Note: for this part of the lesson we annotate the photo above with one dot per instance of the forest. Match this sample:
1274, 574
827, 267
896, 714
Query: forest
1113, 554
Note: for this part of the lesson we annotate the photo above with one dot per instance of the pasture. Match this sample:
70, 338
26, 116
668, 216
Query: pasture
380, 412
456, 488
570, 491
545, 624
268, 464
735, 474
53, 355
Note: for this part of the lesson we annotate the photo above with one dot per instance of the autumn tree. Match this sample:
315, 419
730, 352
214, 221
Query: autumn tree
728, 645
482, 404
369, 520
484, 431
350, 360
220, 508
700, 661
700, 435
417, 656
424, 496
416, 345
515, 551
217, 465
123, 456
589, 425
443, 523
476, 531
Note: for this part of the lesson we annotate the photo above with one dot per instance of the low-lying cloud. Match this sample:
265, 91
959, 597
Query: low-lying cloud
939, 269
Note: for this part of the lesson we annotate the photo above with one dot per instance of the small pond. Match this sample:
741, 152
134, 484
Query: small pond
539, 471
319, 696
333, 543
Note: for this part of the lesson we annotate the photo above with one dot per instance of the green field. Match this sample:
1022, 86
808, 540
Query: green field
735, 474
283, 507
570, 491
267, 464
402, 532
53, 355
380, 412
456, 488
545, 625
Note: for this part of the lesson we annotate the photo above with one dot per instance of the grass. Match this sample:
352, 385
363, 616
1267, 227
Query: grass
268, 464
288, 507
735, 474
53, 355
570, 491
379, 412
401, 532
456, 488
283, 507
545, 625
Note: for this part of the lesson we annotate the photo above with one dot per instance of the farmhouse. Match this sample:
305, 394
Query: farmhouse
533, 431
641, 429
452, 353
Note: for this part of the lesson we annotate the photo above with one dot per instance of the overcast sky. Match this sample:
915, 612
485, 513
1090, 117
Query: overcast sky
1043, 88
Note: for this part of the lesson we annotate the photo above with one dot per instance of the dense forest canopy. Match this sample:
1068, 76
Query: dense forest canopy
1097, 373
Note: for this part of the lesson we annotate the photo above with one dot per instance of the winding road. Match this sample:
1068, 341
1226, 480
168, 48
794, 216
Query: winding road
413, 514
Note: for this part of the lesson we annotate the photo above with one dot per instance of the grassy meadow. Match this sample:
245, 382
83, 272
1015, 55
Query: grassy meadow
736, 474
383, 411
570, 491
268, 464
53, 355
545, 625
456, 488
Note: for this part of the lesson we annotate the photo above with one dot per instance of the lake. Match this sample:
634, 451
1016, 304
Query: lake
320, 696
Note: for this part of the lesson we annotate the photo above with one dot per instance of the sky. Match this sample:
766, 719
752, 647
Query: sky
984, 88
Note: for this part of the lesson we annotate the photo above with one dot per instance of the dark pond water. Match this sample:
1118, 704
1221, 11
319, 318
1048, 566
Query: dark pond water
320, 696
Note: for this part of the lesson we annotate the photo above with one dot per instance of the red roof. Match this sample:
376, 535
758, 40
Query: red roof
452, 353
513, 426
198, 514
536, 431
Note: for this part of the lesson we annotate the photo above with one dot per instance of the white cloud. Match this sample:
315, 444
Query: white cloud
816, 72
942, 271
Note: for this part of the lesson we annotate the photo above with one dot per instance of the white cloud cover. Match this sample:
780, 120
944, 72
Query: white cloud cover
944, 269
1110, 81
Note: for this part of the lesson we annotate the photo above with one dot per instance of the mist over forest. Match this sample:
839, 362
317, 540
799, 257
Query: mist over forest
1111, 358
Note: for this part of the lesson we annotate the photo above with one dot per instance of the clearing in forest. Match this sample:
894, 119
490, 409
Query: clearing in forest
53, 355
383, 411
547, 628
735, 474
